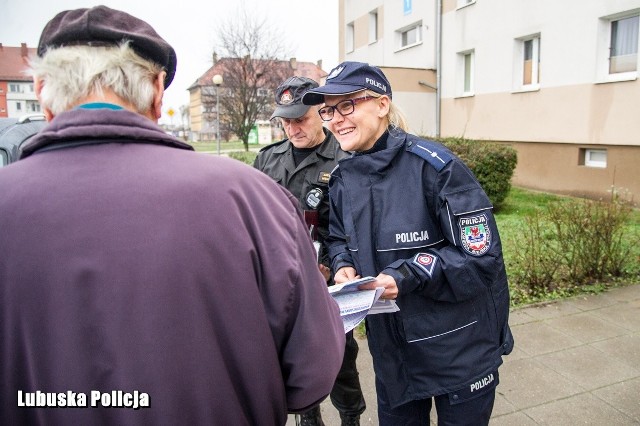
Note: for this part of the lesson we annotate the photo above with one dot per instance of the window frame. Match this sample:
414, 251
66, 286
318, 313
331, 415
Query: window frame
373, 26
349, 38
588, 161
613, 26
519, 63
463, 92
401, 32
605, 30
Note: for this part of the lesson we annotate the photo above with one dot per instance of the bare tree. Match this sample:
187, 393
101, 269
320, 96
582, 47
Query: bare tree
251, 59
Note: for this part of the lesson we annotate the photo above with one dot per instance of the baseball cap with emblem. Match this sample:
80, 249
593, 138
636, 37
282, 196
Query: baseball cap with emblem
350, 77
289, 97
102, 26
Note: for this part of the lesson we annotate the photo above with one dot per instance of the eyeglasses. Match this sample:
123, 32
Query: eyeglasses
344, 108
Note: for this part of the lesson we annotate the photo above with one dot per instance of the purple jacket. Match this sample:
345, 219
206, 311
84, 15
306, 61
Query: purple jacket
136, 272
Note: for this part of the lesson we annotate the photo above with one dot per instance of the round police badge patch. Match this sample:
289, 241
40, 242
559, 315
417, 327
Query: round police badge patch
426, 262
475, 234
314, 197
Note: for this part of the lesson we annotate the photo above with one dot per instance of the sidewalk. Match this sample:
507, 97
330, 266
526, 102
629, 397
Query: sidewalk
575, 361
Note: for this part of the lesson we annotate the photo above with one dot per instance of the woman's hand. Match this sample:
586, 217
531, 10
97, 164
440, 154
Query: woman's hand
345, 274
385, 281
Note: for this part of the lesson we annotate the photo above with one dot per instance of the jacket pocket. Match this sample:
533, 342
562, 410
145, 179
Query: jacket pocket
441, 321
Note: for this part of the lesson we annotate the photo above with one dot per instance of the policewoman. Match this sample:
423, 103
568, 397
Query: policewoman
408, 212
302, 163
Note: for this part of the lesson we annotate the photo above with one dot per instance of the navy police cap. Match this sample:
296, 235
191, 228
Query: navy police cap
349, 77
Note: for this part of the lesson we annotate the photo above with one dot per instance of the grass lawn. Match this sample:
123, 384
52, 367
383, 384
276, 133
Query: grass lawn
235, 145
511, 219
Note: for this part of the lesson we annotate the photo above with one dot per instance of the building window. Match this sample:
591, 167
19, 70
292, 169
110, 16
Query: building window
410, 36
531, 61
15, 88
624, 45
349, 38
18, 106
263, 92
373, 26
594, 157
466, 66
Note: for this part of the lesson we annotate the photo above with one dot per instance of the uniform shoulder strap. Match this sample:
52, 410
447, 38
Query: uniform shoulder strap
433, 152
273, 145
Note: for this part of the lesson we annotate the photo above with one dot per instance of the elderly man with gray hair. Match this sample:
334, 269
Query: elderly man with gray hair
140, 282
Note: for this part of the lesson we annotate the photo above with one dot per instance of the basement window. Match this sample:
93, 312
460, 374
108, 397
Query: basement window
593, 157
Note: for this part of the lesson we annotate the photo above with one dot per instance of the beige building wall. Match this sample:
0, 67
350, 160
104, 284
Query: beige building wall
599, 114
195, 110
557, 168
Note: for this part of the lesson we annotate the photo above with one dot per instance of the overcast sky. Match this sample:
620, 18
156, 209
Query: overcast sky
310, 29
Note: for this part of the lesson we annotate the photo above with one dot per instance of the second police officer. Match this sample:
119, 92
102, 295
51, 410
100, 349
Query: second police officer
302, 163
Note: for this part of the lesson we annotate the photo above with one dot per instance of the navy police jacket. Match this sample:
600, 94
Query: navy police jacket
415, 211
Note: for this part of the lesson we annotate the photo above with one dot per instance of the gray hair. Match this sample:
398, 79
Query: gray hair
72, 73
395, 117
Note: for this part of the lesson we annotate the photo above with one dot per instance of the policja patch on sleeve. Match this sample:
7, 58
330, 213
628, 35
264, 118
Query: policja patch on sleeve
475, 234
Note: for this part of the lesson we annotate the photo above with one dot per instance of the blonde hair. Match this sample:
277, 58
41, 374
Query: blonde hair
72, 73
395, 117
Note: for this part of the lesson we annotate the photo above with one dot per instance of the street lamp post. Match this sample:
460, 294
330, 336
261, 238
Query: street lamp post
217, 81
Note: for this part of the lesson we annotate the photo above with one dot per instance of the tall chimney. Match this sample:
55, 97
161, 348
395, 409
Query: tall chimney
293, 62
215, 58
23, 50
319, 63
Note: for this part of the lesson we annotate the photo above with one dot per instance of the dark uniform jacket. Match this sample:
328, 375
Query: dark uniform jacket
304, 182
414, 211
129, 263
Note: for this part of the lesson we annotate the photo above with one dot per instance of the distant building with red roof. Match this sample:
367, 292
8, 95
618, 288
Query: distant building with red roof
202, 100
17, 96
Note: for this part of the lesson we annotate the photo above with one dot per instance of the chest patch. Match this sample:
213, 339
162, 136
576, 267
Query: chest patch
324, 177
475, 234
426, 262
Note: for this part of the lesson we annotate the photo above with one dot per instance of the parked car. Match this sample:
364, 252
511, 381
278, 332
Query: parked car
16, 131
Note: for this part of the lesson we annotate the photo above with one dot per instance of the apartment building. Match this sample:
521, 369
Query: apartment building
17, 95
556, 80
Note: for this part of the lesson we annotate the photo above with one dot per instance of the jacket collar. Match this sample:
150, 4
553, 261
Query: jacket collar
324, 149
378, 161
92, 126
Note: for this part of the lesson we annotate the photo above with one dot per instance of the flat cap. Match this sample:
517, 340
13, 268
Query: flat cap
289, 97
102, 26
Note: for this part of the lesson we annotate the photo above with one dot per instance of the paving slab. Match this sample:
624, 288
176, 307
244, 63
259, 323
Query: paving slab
537, 338
586, 327
584, 409
623, 396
